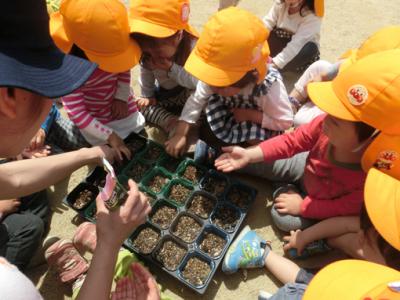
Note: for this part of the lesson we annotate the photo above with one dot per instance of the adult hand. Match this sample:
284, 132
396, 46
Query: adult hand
119, 109
144, 102
118, 145
113, 227
9, 206
104, 151
176, 145
141, 286
294, 240
38, 140
289, 203
233, 158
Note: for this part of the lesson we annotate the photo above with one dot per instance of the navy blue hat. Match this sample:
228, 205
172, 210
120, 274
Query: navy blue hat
28, 57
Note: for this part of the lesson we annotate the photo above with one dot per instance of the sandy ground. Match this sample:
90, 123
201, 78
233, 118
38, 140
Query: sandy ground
346, 24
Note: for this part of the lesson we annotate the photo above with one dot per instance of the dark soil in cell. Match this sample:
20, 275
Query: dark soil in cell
101, 182
196, 271
239, 197
135, 145
226, 218
146, 240
202, 206
179, 193
83, 199
193, 174
137, 171
157, 183
91, 213
212, 244
163, 216
170, 164
152, 153
170, 255
215, 186
187, 229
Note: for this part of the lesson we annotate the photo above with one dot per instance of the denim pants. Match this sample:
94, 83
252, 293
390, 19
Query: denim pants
21, 232
283, 172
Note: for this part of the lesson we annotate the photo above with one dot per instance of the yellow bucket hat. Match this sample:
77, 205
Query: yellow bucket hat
387, 38
100, 28
232, 43
319, 8
160, 19
354, 279
382, 188
367, 91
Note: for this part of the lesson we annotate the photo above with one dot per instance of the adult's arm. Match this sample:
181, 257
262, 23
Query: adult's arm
24, 177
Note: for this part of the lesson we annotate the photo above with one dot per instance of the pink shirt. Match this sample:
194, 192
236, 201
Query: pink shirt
333, 189
89, 107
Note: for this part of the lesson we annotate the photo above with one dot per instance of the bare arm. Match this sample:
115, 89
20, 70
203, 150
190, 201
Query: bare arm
21, 178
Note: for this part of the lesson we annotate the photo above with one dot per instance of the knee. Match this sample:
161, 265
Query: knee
284, 222
33, 229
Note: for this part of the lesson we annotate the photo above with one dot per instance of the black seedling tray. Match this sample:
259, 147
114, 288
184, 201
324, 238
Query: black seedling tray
219, 201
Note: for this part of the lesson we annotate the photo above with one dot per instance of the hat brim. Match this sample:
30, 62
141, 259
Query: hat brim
47, 72
323, 95
215, 76
349, 280
155, 30
382, 200
120, 62
58, 34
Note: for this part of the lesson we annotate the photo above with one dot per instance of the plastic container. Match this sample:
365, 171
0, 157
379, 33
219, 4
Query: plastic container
185, 186
72, 198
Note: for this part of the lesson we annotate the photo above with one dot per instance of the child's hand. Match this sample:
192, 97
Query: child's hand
289, 203
144, 102
119, 109
162, 64
43, 151
118, 145
234, 158
176, 145
294, 240
9, 206
141, 286
38, 140
240, 114
113, 227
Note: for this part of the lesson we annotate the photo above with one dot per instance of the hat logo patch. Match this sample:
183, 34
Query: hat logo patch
357, 94
185, 12
256, 53
385, 160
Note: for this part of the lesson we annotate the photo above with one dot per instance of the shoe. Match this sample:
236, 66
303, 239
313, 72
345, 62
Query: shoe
204, 154
66, 259
263, 295
311, 249
85, 238
247, 251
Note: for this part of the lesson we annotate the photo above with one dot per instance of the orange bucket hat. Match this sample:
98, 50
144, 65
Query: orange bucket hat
382, 188
352, 279
160, 19
319, 8
100, 28
232, 43
367, 91
387, 38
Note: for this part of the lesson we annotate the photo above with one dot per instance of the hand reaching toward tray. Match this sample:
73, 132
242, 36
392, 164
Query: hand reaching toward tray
141, 286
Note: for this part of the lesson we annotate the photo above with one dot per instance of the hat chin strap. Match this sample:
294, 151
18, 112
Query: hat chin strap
366, 142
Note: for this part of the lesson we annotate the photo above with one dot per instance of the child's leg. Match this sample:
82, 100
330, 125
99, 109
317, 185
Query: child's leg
306, 56
277, 41
282, 268
306, 114
65, 135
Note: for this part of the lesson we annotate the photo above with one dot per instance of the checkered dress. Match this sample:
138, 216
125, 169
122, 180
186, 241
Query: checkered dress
222, 121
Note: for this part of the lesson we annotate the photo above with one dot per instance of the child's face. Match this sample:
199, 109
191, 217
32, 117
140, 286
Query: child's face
294, 3
341, 133
227, 91
162, 49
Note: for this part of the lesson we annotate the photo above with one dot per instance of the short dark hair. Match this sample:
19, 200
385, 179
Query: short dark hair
308, 4
250, 77
364, 131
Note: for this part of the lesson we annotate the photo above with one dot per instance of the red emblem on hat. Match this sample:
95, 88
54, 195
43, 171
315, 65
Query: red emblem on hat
357, 94
385, 160
185, 12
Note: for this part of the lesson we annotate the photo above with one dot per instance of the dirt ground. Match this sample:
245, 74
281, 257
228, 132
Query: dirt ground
346, 24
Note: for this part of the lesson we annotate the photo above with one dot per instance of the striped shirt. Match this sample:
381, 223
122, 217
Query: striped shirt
89, 107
